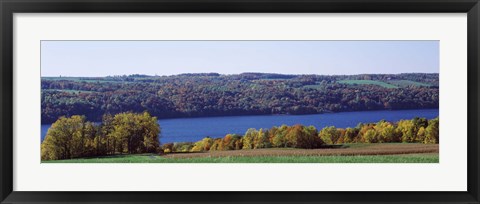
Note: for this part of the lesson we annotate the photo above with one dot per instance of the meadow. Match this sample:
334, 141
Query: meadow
368, 82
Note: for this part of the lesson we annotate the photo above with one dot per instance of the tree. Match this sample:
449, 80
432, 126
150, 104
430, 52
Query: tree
432, 132
329, 135
407, 129
370, 136
248, 139
107, 128
203, 145
64, 139
136, 133
261, 140
279, 139
386, 132
350, 135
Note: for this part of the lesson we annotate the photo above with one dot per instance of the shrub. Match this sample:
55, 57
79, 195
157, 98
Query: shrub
183, 146
168, 147
202, 145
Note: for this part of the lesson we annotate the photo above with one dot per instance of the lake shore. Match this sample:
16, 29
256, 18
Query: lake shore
194, 129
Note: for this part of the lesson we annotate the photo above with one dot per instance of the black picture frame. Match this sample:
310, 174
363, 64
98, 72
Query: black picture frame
9, 7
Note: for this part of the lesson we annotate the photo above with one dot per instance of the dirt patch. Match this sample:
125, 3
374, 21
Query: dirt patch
374, 149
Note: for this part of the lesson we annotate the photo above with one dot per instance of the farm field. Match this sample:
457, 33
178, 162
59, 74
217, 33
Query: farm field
351, 153
404, 83
367, 82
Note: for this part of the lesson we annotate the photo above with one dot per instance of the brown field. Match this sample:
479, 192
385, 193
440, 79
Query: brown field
339, 150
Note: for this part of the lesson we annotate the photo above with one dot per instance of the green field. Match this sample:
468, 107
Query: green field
404, 83
83, 79
401, 158
367, 82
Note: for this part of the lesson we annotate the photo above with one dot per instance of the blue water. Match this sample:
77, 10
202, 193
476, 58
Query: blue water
194, 129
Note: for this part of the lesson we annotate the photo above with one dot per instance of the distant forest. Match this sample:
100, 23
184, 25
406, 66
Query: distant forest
212, 94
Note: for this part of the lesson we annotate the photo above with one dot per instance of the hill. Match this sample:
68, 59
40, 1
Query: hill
213, 94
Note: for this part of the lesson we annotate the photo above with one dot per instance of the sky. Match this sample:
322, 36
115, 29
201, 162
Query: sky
108, 58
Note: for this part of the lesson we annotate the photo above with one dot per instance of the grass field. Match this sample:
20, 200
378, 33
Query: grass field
402, 158
353, 153
83, 79
404, 83
367, 82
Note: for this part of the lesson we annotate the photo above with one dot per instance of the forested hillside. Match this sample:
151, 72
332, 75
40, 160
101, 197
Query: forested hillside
211, 94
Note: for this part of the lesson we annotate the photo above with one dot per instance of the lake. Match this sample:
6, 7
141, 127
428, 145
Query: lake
194, 129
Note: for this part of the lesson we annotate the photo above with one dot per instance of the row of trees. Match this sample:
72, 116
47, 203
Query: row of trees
195, 95
75, 137
417, 130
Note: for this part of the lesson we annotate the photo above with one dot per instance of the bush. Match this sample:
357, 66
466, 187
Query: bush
168, 147
182, 146
202, 145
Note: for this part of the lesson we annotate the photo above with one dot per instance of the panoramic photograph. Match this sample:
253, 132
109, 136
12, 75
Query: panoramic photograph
239, 102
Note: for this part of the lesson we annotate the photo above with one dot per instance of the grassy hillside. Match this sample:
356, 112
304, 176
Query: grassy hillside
404, 83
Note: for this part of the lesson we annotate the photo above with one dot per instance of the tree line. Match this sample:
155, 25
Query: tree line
197, 95
417, 130
124, 133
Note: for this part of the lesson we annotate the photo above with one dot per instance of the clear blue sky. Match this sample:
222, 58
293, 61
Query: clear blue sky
103, 58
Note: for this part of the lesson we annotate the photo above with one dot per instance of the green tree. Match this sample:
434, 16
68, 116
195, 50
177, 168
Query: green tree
385, 131
407, 129
350, 135
279, 139
203, 145
248, 139
329, 135
135, 133
64, 139
370, 136
261, 140
432, 132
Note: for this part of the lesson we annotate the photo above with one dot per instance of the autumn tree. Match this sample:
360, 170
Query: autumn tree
279, 139
329, 135
350, 135
386, 132
261, 140
248, 139
432, 132
407, 129
64, 139
136, 133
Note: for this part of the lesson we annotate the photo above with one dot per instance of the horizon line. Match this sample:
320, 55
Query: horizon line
199, 73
